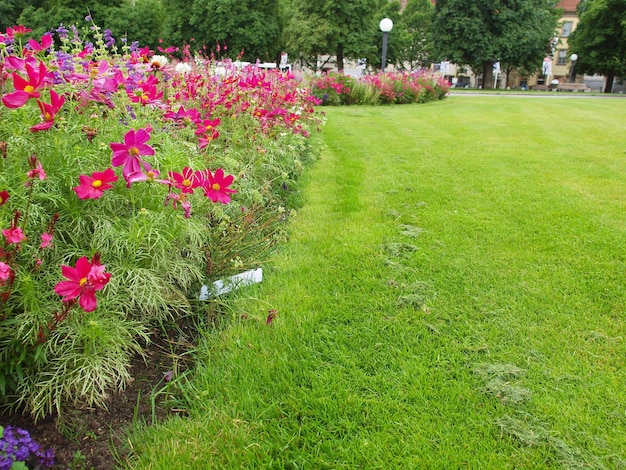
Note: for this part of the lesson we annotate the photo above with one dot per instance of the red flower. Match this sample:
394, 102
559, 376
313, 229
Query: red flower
92, 187
25, 89
216, 186
48, 111
83, 281
4, 197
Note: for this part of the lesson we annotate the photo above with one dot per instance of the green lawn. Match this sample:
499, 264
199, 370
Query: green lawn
452, 296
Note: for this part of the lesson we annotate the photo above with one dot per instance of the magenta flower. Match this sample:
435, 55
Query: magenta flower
46, 240
179, 199
186, 181
27, 88
216, 186
128, 153
36, 170
92, 187
13, 235
83, 281
48, 111
148, 174
5, 272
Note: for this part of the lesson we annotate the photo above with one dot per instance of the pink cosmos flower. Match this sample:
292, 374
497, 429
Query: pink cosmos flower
27, 88
216, 186
179, 199
5, 272
186, 181
92, 187
48, 111
46, 42
148, 174
207, 126
128, 153
17, 31
36, 170
83, 281
46, 240
13, 235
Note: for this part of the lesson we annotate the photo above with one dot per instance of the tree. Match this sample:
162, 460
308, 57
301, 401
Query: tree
330, 27
47, 15
415, 24
481, 32
599, 40
251, 26
137, 20
10, 11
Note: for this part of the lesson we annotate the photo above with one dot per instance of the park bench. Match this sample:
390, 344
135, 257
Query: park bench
573, 87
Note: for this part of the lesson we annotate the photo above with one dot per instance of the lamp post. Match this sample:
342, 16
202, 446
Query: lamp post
572, 69
385, 26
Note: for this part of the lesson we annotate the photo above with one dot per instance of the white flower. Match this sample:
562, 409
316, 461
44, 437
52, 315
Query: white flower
183, 68
158, 61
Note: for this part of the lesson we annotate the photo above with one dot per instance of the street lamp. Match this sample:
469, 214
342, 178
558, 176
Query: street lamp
572, 69
385, 26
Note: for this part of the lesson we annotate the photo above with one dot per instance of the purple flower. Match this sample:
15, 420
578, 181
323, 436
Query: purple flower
16, 445
62, 31
109, 40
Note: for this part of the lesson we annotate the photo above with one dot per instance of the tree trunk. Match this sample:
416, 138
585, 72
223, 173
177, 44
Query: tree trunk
608, 83
487, 75
340, 57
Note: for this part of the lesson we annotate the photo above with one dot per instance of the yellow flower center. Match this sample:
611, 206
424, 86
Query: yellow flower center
47, 117
96, 183
133, 151
82, 282
216, 187
29, 88
150, 175
186, 183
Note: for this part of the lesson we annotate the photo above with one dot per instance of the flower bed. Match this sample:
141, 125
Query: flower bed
126, 183
383, 88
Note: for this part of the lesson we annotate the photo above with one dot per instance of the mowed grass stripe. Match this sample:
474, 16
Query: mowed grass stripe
452, 295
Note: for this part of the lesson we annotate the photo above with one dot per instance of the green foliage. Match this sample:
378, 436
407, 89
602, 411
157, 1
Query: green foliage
600, 39
479, 33
330, 27
138, 20
250, 29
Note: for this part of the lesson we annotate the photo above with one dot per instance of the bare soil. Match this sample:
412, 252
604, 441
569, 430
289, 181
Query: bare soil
95, 438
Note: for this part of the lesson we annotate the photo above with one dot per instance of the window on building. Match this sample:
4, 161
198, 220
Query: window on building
566, 29
561, 57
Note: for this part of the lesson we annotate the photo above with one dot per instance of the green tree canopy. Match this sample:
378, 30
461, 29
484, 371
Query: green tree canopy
137, 20
481, 32
599, 40
47, 15
416, 41
251, 26
336, 27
